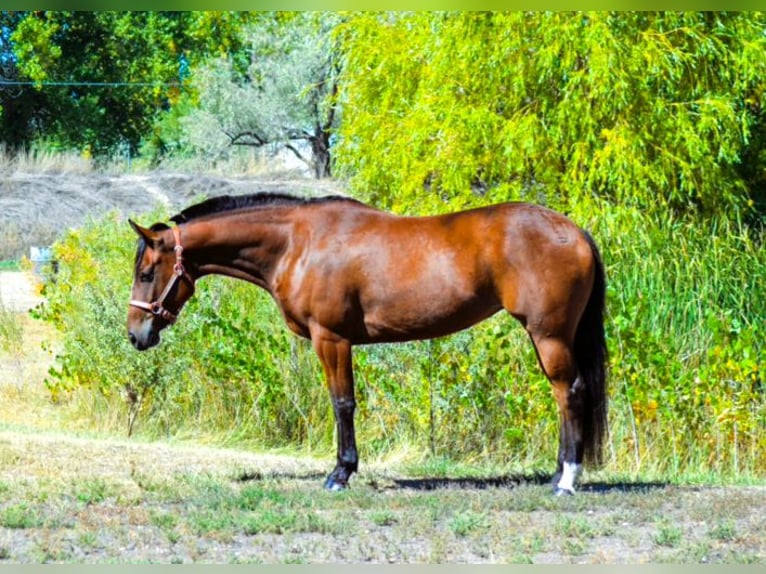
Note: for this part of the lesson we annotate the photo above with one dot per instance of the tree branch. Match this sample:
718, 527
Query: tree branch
331, 113
298, 154
237, 138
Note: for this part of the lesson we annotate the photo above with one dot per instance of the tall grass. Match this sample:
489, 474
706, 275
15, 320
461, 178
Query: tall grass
10, 329
685, 328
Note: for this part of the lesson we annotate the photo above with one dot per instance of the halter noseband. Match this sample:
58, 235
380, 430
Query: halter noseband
157, 307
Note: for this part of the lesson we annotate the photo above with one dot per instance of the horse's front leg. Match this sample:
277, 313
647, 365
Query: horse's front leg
335, 356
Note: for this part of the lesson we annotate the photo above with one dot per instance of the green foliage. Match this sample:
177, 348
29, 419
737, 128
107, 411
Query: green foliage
686, 334
282, 98
668, 535
468, 522
218, 370
649, 109
19, 516
147, 55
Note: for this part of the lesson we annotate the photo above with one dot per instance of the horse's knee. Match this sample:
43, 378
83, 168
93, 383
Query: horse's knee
344, 407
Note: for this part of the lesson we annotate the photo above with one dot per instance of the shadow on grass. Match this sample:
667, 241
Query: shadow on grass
511, 481
506, 481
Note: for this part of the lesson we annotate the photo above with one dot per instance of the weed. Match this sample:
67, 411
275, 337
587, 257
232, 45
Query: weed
213, 522
92, 491
167, 522
20, 516
668, 535
254, 497
47, 551
577, 526
164, 520
724, 531
467, 522
87, 540
271, 522
573, 547
383, 517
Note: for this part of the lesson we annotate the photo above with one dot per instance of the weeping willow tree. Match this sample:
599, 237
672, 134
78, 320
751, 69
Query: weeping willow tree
651, 109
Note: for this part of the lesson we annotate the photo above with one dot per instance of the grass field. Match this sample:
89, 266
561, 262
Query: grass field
172, 504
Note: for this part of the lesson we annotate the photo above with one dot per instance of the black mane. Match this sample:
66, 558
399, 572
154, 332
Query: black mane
224, 203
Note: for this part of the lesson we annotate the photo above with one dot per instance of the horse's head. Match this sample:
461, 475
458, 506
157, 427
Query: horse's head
161, 284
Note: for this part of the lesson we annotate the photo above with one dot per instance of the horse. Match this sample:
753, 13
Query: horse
344, 273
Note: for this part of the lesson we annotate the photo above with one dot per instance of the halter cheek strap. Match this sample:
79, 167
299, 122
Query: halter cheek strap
157, 307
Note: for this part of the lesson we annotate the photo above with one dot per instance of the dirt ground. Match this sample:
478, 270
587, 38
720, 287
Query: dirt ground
70, 499
18, 291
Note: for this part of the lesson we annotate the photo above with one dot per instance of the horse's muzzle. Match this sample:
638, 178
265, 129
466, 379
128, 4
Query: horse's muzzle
147, 341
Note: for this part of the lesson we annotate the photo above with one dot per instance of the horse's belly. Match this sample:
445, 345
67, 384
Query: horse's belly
424, 319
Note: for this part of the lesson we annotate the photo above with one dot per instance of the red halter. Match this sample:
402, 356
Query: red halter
157, 307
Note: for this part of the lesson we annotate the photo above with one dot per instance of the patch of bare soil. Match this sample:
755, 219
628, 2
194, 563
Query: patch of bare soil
19, 291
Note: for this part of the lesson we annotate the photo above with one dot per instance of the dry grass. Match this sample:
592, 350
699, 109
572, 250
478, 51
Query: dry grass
44, 161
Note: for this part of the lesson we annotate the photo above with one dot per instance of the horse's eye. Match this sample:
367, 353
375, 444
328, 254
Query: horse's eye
147, 276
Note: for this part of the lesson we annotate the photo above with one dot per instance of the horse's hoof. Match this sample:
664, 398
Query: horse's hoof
558, 491
334, 486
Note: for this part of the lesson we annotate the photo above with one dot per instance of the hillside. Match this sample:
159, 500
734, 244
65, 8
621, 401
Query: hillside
36, 205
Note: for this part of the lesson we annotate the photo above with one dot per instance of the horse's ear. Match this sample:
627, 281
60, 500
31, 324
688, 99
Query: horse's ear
149, 236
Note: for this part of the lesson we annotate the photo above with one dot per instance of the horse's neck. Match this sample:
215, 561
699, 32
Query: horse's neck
242, 247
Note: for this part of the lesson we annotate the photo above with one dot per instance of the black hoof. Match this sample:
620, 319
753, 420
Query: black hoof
334, 485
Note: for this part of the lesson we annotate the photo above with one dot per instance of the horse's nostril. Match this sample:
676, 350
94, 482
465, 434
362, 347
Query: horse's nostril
132, 338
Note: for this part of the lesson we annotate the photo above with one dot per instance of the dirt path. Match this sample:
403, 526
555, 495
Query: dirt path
18, 291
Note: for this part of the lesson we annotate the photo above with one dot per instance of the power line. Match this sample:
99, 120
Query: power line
91, 84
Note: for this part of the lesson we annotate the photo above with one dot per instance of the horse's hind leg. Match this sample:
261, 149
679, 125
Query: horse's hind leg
557, 360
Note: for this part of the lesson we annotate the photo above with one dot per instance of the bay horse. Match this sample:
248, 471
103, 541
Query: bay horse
343, 273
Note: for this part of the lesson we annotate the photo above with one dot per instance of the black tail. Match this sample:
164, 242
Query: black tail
591, 356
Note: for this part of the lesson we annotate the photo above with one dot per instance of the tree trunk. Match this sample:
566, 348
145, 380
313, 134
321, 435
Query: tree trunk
320, 149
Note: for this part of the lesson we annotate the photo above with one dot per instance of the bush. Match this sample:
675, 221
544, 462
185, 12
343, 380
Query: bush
224, 368
685, 328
